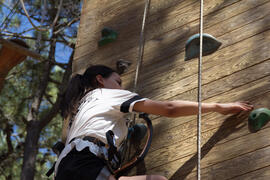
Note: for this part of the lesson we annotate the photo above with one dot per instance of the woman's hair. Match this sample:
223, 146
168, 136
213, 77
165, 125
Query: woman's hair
81, 84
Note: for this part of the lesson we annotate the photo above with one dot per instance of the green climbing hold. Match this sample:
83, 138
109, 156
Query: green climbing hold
210, 45
108, 36
258, 118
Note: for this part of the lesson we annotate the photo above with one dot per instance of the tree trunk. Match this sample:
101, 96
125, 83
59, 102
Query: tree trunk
30, 151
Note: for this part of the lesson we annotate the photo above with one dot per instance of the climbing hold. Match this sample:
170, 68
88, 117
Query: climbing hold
258, 118
108, 35
210, 45
122, 66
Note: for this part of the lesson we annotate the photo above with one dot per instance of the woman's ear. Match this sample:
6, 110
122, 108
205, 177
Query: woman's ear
100, 80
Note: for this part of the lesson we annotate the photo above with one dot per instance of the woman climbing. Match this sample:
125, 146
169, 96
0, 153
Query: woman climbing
94, 104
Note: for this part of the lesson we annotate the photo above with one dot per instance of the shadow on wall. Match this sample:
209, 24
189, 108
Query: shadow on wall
129, 30
128, 24
119, 17
229, 126
223, 131
127, 21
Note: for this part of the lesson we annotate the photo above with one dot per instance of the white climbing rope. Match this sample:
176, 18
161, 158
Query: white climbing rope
142, 42
140, 59
199, 117
141, 51
55, 19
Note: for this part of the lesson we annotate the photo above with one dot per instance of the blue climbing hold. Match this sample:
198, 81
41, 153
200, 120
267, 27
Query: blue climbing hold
210, 45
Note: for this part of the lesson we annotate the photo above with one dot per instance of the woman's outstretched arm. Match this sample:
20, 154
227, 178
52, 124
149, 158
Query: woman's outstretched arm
186, 108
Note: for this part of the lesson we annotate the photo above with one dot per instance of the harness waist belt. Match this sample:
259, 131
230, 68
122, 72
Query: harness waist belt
90, 139
94, 140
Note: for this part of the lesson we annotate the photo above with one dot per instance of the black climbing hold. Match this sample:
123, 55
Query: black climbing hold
122, 66
108, 36
210, 45
258, 118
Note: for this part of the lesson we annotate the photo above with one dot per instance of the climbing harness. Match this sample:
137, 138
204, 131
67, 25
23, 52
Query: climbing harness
145, 150
114, 156
114, 159
109, 153
54, 21
144, 116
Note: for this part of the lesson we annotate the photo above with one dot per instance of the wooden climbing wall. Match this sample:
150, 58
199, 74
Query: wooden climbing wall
238, 71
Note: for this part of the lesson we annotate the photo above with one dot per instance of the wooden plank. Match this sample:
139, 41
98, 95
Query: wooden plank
116, 7
258, 174
181, 141
175, 66
164, 124
238, 59
95, 22
126, 13
237, 62
212, 154
169, 130
233, 79
135, 12
175, 63
156, 41
176, 133
157, 74
94, 5
237, 166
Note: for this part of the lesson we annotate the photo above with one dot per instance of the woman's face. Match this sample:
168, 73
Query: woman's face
112, 82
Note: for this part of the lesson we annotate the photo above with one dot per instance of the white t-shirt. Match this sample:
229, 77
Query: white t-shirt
102, 110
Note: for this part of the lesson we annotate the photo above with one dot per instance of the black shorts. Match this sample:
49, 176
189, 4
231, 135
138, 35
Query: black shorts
82, 165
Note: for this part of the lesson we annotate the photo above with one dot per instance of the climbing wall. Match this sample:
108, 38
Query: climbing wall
238, 71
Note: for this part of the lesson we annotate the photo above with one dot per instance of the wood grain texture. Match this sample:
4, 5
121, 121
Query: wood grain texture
181, 34
238, 71
212, 152
258, 174
171, 130
238, 166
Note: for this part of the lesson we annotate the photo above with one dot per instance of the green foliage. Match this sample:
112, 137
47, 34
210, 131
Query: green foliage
21, 85
14, 102
15, 99
1, 9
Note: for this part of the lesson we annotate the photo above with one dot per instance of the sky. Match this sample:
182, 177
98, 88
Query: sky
62, 52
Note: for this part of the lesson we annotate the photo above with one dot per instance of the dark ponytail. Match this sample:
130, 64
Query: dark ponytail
81, 84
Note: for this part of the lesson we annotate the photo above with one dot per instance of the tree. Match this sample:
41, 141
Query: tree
29, 102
